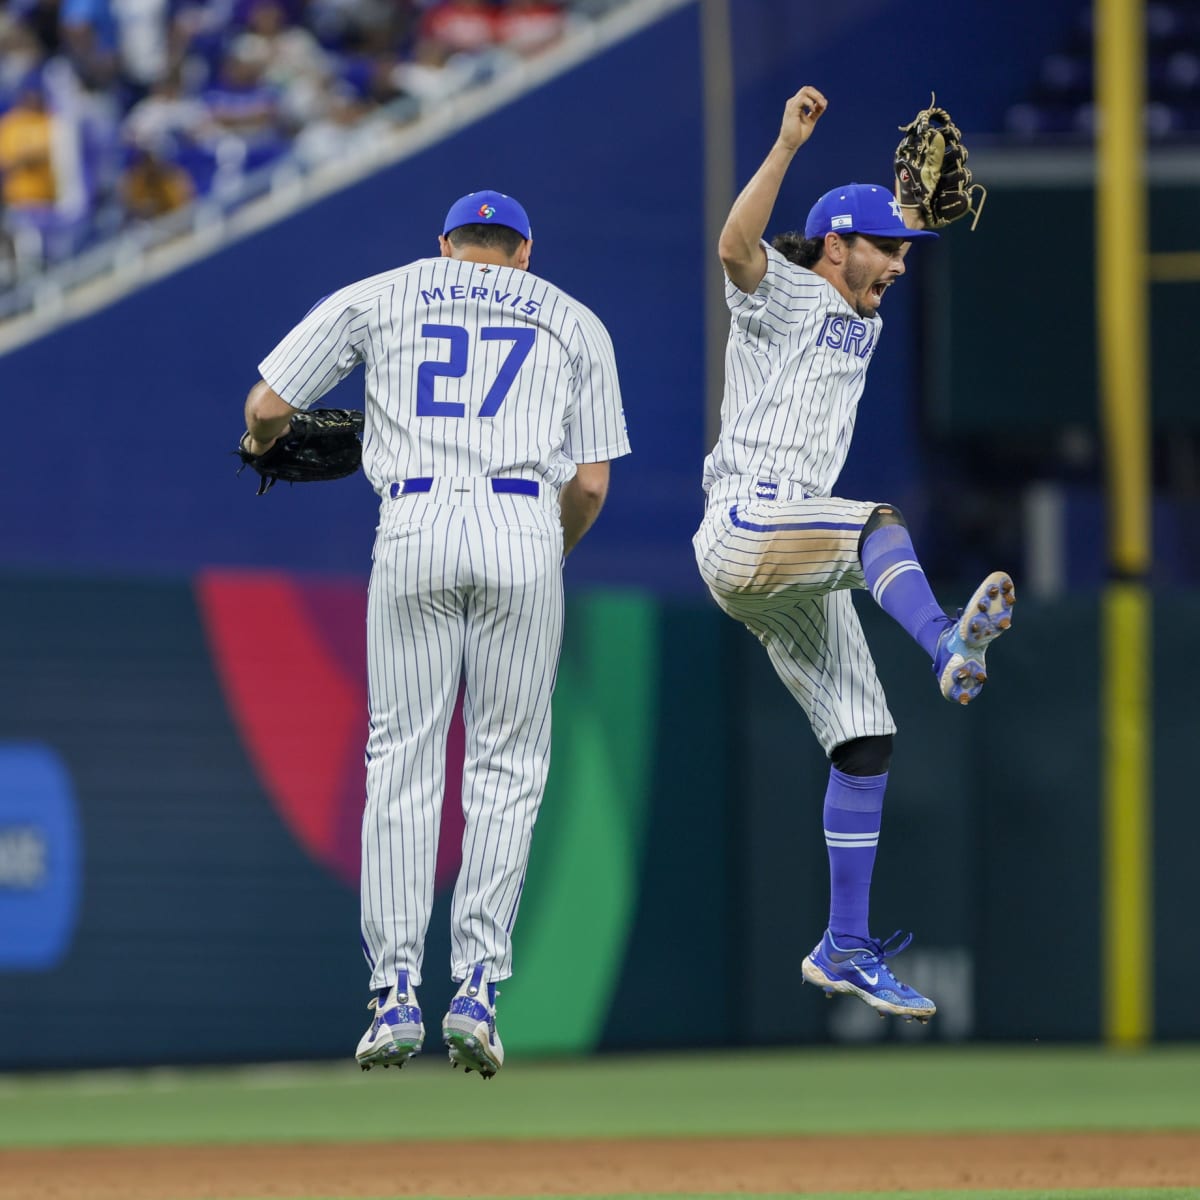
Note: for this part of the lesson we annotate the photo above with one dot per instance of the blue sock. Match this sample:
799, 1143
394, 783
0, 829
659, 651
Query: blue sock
853, 810
899, 586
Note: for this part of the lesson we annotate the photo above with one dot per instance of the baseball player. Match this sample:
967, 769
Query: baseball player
779, 552
492, 412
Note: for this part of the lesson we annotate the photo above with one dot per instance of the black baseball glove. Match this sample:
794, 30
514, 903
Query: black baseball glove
317, 445
932, 175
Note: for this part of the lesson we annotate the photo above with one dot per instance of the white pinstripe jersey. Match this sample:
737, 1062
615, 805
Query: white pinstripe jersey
795, 367
471, 369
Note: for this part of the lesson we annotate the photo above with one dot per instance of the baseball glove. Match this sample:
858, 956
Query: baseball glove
317, 445
932, 175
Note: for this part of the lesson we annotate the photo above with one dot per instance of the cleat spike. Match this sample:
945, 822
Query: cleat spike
964, 699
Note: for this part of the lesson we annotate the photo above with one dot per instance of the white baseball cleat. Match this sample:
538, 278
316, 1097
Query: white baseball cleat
469, 1028
396, 1033
958, 661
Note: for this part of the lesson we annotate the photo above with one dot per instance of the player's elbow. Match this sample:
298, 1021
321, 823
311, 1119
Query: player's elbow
745, 263
267, 413
265, 404
590, 484
732, 251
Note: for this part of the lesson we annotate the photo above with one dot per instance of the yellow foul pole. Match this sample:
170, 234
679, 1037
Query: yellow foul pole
1122, 338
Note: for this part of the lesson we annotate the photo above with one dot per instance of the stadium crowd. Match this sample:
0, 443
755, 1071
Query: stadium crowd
114, 112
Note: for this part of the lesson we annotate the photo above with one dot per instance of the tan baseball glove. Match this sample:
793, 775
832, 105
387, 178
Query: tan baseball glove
932, 175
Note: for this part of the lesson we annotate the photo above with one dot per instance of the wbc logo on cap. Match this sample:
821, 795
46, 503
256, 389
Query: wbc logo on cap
487, 211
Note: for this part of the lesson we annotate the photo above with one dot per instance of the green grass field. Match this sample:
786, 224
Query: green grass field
789, 1092
1001, 1089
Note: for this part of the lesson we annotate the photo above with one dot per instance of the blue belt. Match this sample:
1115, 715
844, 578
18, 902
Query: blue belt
519, 487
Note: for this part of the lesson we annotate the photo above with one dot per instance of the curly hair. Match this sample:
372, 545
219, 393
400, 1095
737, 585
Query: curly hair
805, 252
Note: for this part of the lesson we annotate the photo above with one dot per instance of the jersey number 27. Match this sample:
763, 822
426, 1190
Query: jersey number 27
522, 339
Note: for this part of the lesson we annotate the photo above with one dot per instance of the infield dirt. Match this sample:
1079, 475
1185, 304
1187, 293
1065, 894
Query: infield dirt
845, 1163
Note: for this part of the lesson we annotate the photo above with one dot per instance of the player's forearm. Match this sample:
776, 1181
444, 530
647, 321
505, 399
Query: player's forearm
740, 244
580, 502
267, 416
747, 220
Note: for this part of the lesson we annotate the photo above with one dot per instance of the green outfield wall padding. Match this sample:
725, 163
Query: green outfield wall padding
580, 890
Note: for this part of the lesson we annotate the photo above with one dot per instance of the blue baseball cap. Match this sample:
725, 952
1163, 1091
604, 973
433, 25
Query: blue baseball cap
488, 208
861, 208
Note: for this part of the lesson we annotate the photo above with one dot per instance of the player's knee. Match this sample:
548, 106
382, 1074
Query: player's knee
881, 515
864, 755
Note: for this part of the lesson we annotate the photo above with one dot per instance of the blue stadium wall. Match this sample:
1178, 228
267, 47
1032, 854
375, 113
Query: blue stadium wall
162, 832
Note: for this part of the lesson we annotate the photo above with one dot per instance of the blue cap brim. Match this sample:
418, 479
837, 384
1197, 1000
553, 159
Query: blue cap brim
905, 235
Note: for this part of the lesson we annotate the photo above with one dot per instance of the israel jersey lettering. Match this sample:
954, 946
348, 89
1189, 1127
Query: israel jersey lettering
471, 370
795, 368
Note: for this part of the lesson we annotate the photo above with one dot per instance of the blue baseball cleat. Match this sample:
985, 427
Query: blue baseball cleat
861, 970
396, 1033
958, 661
469, 1028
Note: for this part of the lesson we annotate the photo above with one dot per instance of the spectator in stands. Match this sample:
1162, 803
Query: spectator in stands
42, 19
454, 27
293, 61
454, 40
529, 26
89, 33
364, 27
27, 182
168, 119
241, 102
21, 55
334, 131
197, 36
153, 186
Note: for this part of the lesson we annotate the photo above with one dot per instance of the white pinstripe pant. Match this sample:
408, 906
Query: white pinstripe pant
784, 568
466, 584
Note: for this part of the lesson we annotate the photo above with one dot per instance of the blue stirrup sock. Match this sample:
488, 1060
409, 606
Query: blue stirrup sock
898, 585
853, 811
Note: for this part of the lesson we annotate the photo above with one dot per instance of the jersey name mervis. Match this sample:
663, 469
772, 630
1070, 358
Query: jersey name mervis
458, 292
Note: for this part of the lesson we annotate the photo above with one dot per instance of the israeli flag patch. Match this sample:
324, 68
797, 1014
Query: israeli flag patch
765, 489
843, 222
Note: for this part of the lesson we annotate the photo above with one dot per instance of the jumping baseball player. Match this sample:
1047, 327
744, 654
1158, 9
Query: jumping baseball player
492, 411
779, 552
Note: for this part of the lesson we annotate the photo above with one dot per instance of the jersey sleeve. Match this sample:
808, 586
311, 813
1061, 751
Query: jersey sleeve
595, 420
764, 317
320, 351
